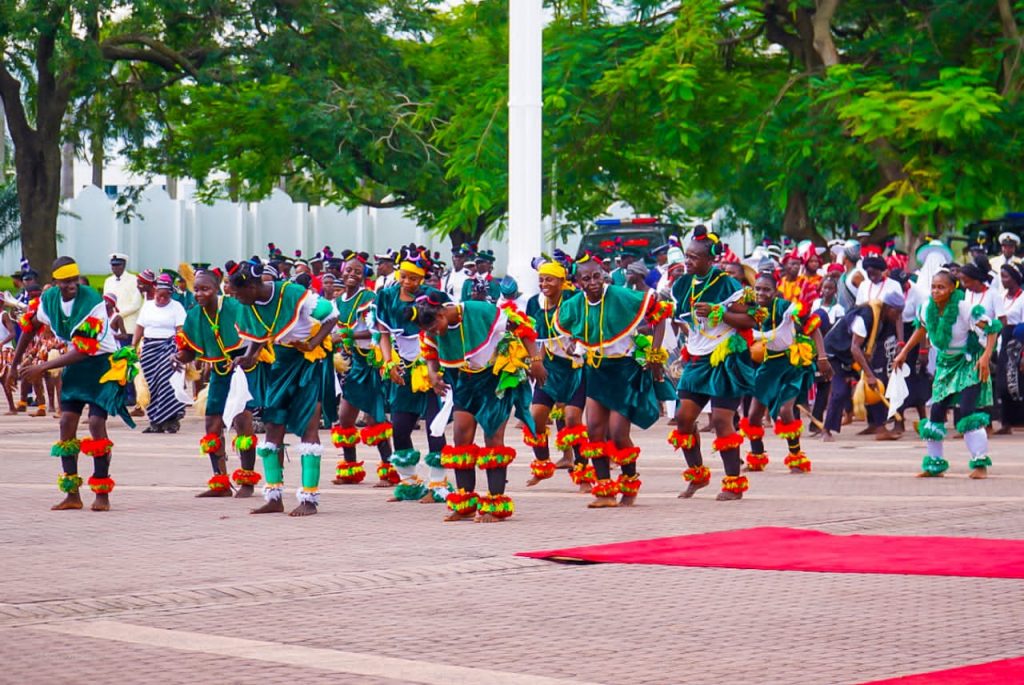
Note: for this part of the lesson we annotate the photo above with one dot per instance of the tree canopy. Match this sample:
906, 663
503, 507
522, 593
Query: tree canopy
802, 116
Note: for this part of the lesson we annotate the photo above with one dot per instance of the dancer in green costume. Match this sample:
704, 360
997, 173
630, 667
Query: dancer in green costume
209, 335
411, 396
95, 372
718, 314
495, 352
623, 373
792, 343
564, 386
362, 389
290, 327
955, 329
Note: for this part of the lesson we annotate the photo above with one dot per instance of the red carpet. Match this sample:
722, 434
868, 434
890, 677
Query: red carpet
1005, 671
791, 549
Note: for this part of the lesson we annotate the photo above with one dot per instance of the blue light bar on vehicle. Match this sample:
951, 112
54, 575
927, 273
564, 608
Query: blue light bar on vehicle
609, 222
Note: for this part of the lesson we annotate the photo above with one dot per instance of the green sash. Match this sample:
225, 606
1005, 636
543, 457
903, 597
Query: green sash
478, 322
618, 314
714, 288
64, 326
271, 321
210, 344
350, 311
542, 317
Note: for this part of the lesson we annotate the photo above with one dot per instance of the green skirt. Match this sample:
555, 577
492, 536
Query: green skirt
732, 378
401, 398
293, 389
563, 379
955, 372
80, 382
218, 387
476, 393
625, 387
364, 389
777, 382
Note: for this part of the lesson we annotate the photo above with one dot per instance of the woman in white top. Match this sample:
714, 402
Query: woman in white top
964, 338
1010, 309
158, 324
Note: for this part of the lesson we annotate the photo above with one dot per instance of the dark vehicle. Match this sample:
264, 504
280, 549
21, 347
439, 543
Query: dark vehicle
987, 232
638, 235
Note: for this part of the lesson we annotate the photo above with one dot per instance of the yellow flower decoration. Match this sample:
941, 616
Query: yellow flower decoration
801, 354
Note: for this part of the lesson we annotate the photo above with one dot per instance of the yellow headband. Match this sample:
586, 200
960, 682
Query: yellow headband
66, 271
552, 269
411, 268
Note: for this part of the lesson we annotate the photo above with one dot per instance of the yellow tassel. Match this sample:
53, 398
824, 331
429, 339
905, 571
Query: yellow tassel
420, 378
720, 352
514, 360
118, 372
267, 354
801, 354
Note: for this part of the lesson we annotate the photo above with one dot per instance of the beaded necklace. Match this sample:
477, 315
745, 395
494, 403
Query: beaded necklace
215, 327
273, 324
594, 357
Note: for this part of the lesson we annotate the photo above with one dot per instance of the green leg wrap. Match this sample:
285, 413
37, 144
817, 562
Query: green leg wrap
310, 471
272, 469
979, 462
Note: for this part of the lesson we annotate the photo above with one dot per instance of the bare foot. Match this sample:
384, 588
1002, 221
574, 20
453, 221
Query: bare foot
925, 474
603, 503
384, 484
884, 435
979, 473
486, 518
729, 496
215, 493
244, 491
627, 501
274, 506
533, 481
828, 437
794, 469
427, 498
304, 509
13, 412
456, 516
691, 489
102, 502
870, 430
72, 501
565, 462
584, 489
847, 419
1005, 430
40, 412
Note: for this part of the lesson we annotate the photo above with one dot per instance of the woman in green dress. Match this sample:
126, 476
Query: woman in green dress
494, 351
956, 329
361, 389
209, 335
623, 373
95, 373
410, 396
288, 327
792, 344
564, 387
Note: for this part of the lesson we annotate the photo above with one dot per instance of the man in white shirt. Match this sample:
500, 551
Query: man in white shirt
875, 287
454, 279
124, 286
385, 269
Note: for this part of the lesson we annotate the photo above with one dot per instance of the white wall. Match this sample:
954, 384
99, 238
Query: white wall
166, 232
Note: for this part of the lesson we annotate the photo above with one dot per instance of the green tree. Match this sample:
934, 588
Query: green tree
56, 52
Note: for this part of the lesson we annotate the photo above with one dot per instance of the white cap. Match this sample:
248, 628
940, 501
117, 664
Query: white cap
1009, 238
118, 255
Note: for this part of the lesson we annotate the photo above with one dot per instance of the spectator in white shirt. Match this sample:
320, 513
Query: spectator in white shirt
123, 285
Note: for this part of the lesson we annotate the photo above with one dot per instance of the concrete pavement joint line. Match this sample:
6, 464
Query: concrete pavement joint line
333, 660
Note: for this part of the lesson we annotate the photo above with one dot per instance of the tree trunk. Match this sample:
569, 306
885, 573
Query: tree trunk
797, 222
171, 183
98, 159
67, 171
38, 167
3, 145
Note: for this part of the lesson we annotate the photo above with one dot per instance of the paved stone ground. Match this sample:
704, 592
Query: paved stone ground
167, 588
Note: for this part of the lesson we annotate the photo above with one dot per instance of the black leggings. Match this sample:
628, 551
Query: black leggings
966, 404
402, 423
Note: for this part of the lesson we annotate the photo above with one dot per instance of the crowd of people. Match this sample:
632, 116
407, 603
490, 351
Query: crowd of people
375, 347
